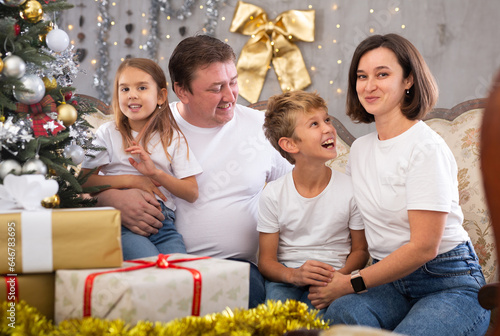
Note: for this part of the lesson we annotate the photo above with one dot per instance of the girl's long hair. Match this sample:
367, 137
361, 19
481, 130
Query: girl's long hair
161, 120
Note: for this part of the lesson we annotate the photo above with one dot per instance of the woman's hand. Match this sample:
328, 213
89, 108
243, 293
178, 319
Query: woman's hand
322, 296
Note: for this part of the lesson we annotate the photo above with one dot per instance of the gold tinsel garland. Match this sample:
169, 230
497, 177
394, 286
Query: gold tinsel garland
272, 318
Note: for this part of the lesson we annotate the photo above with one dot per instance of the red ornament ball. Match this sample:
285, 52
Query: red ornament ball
68, 95
17, 29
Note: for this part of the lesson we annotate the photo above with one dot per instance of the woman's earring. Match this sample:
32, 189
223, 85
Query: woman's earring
407, 91
159, 107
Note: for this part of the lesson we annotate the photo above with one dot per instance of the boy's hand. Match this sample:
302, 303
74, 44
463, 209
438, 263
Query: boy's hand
146, 166
312, 273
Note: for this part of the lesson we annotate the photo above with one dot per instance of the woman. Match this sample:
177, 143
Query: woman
425, 274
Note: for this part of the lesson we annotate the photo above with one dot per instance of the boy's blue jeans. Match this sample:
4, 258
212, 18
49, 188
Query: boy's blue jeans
166, 241
279, 291
440, 298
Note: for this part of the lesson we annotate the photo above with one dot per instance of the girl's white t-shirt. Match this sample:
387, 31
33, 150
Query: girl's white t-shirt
114, 160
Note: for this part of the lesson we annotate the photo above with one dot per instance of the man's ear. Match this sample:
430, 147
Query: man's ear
181, 93
288, 145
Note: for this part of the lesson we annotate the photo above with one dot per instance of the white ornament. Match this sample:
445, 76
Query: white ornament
13, 66
9, 167
34, 166
75, 153
35, 85
12, 3
57, 40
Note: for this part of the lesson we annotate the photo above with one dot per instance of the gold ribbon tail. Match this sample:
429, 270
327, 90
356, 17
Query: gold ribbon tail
252, 66
289, 65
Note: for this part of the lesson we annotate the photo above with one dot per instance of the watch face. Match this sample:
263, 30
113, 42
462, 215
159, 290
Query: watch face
358, 284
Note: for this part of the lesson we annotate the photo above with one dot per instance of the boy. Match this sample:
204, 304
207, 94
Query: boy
308, 224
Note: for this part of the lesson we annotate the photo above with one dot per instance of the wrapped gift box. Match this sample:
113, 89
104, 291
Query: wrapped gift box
153, 293
36, 289
46, 240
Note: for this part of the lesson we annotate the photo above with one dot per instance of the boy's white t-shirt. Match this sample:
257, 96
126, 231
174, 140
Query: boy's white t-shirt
114, 160
413, 171
315, 228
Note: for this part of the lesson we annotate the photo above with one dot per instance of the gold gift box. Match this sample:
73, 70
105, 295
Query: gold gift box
36, 289
81, 238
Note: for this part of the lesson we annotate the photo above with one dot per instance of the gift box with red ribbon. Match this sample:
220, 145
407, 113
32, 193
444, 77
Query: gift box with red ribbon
154, 289
42, 241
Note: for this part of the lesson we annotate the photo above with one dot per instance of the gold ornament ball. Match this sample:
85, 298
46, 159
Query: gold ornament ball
51, 202
50, 83
31, 11
67, 114
1, 65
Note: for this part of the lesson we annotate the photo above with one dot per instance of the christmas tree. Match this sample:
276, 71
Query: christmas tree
42, 129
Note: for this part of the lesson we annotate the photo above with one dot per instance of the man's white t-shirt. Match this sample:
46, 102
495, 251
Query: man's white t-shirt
415, 170
316, 228
114, 160
237, 161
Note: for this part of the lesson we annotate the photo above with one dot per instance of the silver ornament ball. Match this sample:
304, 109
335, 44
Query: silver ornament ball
14, 66
34, 166
9, 167
35, 85
12, 3
75, 153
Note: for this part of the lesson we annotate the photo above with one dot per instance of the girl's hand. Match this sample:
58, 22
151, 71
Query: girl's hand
312, 272
146, 184
146, 166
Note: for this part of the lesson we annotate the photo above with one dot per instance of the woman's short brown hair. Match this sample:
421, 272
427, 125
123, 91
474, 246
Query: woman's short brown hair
424, 92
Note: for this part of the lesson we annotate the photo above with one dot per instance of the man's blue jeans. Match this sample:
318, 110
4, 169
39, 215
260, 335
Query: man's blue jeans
166, 240
440, 298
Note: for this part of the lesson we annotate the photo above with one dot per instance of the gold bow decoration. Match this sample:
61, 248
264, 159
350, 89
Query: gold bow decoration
271, 40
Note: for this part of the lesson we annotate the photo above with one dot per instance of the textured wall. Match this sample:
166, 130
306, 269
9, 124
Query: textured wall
458, 39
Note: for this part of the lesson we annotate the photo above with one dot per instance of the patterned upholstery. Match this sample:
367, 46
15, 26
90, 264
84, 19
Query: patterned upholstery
460, 128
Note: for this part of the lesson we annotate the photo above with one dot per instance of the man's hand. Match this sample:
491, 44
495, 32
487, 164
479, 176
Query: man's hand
140, 211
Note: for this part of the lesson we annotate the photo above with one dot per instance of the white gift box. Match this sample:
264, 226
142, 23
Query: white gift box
153, 293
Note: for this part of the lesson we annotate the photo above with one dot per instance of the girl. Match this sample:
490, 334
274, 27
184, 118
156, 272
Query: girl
145, 139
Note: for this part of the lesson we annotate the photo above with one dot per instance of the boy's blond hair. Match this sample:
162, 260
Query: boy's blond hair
281, 116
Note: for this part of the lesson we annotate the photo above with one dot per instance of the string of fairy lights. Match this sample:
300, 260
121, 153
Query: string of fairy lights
182, 12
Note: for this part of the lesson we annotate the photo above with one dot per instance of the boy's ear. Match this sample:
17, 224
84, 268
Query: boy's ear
288, 145
162, 96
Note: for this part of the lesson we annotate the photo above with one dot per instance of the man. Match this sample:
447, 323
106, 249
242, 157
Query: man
228, 142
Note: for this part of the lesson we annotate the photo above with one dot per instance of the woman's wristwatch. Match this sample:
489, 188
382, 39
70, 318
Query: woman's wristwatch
357, 282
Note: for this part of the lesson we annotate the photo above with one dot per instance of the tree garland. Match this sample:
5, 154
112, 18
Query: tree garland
272, 318
101, 82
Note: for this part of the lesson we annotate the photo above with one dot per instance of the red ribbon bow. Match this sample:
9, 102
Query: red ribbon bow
38, 115
161, 262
